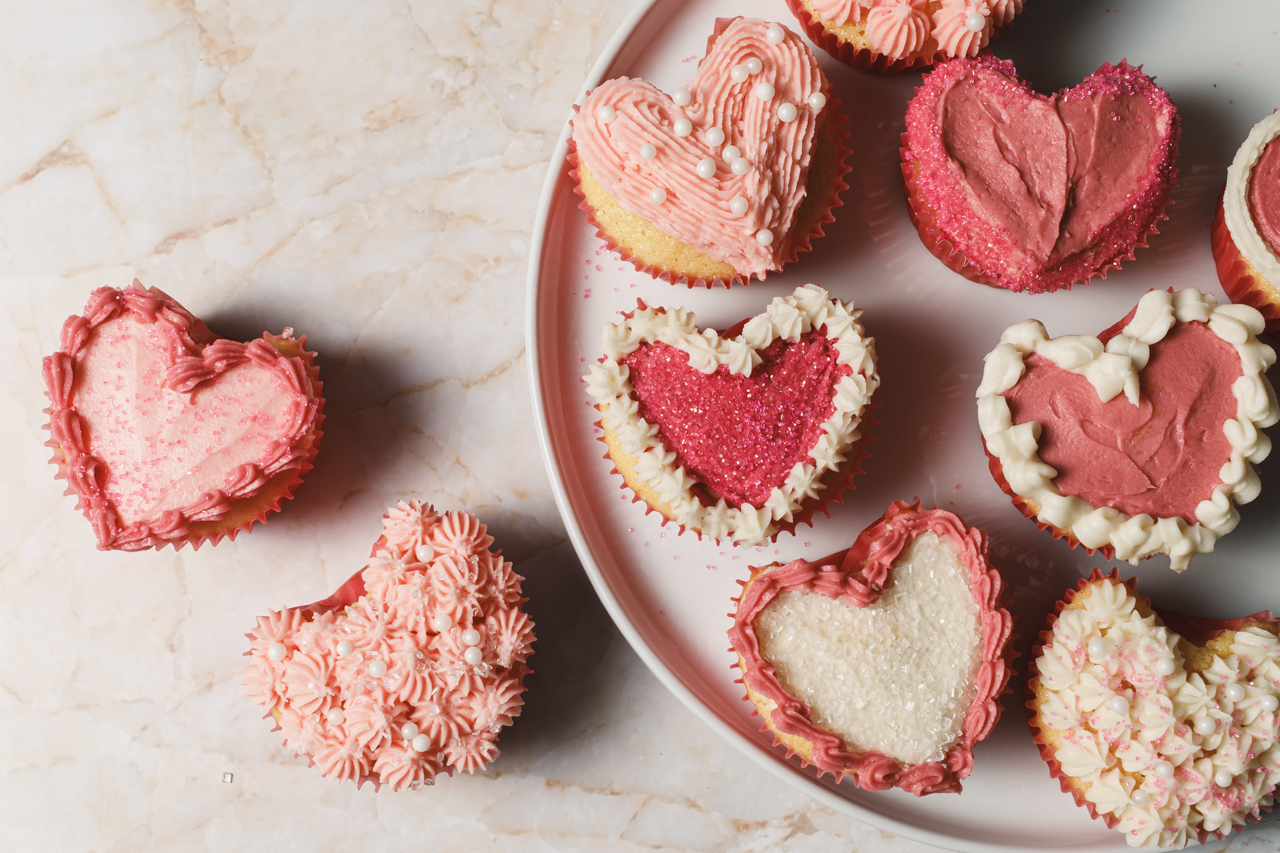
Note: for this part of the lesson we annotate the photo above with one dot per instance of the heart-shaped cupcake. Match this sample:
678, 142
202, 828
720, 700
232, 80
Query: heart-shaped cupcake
1140, 441
1018, 190
170, 434
897, 646
411, 668
734, 436
1169, 739
724, 180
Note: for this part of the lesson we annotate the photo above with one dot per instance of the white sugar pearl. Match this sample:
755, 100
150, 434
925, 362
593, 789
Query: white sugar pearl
336, 717
1223, 779
974, 22
344, 648
764, 91
377, 669
473, 655
706, 168
657, 195
1099, 649
738, 205
683, 127
648, 151
754, 65
409, 731
787, 113
276, 651
764, 237
471, 637
606, 114
817, 100
680, 97
740, 166
1205, 725
1165, 666
441, 623
1163, 769
775, 34
739, 73
1234, 692
730, 153
1140, 798
1118, 705
424, 552
1269, 703
715, 137
421, 743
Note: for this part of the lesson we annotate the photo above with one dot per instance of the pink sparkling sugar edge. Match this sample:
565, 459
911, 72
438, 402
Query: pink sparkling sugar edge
1241, 287
495, 610
1195, 629
863, 573
202, 361
930, 186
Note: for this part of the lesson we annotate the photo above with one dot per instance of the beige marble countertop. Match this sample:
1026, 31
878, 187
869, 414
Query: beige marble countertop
367, 173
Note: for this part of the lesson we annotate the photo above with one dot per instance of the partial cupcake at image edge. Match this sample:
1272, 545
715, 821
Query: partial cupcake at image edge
891, 36
409, 670
743, 435
898, 646
1163, 726
725, 180
1245, 232
168, 434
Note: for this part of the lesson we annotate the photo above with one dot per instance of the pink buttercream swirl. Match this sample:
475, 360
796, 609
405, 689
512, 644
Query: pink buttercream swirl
951, 27
349, 711
898, 28
863, 574
177, 354
697, 210
842, 11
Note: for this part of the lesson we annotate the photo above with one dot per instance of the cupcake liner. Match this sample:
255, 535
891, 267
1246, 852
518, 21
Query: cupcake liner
1237, 276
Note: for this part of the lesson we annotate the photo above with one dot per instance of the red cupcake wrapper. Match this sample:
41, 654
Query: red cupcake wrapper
1197, 627
1233, 272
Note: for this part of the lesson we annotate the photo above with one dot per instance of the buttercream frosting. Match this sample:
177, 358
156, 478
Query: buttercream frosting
1246, 231
809, 317
1114, 369
413, 668
900, 29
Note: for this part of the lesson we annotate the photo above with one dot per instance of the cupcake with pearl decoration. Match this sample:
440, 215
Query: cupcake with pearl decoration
1163, 726
727, 178
890, 36
411, 668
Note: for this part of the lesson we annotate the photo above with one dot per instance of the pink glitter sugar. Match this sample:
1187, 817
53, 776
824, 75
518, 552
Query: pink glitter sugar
739, 437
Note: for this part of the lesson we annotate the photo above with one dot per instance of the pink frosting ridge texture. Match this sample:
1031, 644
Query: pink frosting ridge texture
1037, 192
412, 668
901, 29
161, 423
864, 572
1161, 457
1264, 195
621, 116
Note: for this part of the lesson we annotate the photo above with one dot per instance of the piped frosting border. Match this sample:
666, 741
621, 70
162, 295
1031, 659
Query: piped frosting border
809, 307
1113, 369
1235, 200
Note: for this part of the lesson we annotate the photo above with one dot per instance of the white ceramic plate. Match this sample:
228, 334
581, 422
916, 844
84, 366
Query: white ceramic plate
669, 594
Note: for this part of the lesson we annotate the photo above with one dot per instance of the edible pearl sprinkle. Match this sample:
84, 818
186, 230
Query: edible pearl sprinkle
715, 137
657, 195
424, 552
473, 656
817, 100
730, 153
1099, 649
606, 114
683, 127
1163, 769
764, 237
409, 731
421, 743
740, 166
1223, 779
1165, 666
706, 168
1118, 705
441, 622
648, 151
277, 651
1269, 703
738, 205
764, 91
974, 22
336, 717
1234, 692
1205, 726
1140, 798
377, 669
775, 34
471, 637
345, 648
787, 113
739, 73
680, 97
754, 65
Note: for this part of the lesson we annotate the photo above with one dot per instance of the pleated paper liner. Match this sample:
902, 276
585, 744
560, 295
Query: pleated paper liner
1080, 268
1244, 284
1196, 630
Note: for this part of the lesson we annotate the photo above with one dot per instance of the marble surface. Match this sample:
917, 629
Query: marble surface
366, 173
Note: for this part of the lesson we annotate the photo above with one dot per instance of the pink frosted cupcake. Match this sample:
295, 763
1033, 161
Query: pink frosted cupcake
999, 190
900, 35
412, 668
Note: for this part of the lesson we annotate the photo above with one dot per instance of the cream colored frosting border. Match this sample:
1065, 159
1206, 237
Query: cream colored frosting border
1114, 369
810, 307
1235, 200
